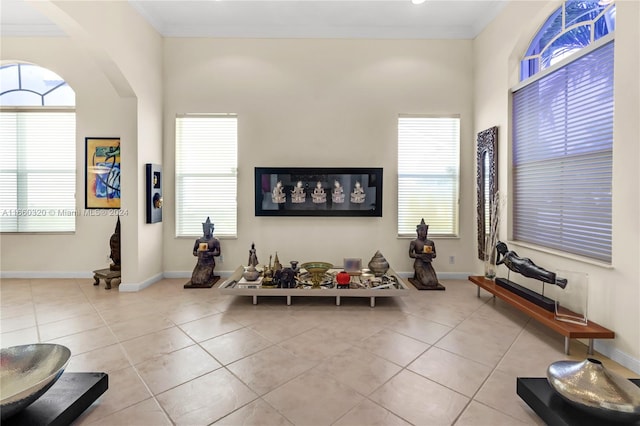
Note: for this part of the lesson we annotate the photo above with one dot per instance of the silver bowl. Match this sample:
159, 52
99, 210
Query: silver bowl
590, 386
27, 372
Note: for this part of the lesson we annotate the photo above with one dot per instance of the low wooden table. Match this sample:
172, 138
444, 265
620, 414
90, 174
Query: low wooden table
568, 330
107, 275
230, 286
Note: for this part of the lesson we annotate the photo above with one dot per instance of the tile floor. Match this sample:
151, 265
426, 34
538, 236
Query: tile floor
195, 357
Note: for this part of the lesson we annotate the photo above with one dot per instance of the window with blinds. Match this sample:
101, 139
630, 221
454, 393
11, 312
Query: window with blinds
37, 171
206, 173
428, 174
562, 156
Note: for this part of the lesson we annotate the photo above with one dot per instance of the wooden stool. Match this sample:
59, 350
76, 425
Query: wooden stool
107, 275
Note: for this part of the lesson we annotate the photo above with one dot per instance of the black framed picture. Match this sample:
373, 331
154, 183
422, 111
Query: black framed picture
318, 191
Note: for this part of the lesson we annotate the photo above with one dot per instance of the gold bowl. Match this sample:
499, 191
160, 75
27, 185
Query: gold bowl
27, 372
317, 271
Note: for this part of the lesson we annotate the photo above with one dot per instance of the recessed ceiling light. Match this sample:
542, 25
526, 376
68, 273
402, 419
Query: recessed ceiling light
418, 1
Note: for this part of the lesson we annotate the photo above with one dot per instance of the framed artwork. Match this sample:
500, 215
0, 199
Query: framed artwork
102, 173
319, 191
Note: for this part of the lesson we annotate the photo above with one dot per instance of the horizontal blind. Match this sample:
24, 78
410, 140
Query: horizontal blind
206, 173
562, 157
428, 174
37, 171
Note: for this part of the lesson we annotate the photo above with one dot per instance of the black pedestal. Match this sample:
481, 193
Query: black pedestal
530, 295
540, 396
417, 284
207, 285
64, 401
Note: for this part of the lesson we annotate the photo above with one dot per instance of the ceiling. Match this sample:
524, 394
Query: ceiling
377, 19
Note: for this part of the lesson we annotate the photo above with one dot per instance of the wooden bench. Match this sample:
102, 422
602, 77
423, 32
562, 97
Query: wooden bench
568, 330
107, 275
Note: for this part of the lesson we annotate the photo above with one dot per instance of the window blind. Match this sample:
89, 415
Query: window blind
562, 157
428, 174
37, 171
206, 173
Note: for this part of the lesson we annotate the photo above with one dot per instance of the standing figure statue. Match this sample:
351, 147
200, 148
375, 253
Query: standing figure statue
525, 266
206, 248
423, 251
253, 257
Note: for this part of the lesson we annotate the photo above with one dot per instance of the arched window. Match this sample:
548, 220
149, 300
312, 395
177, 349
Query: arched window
38, 145
574, 25
563, 133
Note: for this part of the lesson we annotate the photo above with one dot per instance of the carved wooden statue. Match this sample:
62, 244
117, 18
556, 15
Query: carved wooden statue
206, 248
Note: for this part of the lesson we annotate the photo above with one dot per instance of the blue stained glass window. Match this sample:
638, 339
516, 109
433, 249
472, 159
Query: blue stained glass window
574, 25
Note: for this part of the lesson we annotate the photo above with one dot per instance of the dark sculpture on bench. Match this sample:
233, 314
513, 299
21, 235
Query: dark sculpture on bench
527, 268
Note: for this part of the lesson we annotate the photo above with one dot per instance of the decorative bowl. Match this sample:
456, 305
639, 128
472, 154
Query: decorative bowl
27, 372
317, 271
590, 386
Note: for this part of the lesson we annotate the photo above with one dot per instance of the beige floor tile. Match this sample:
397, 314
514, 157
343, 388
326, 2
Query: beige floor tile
206, 399
17, 323
106, 359
256, 413
66, 327
477, 414
473, 347
9, 309
156, 344
208, 327
130, 329
450, 316
235, 345
498, 392
187, 312
315, 344
394, 347
269, 368
312, 362
87, 341
451, 370
173, 369
50, 312
420, 401
125, 389
417, 328
313, 399
276, 332
145, 413
359, 369
370, 414
19, 337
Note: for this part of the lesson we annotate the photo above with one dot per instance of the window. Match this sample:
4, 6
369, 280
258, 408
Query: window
574, 25
428, 174
38, 145
206, 173
562, 152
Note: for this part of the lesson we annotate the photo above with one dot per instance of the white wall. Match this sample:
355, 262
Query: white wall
319, 103
614, 293
100, 112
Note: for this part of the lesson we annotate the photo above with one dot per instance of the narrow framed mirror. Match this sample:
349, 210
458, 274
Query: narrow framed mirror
486, 181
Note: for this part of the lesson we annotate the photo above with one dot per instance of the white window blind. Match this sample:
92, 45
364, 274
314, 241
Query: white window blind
37, 171
206, 173
428, 174
562, 157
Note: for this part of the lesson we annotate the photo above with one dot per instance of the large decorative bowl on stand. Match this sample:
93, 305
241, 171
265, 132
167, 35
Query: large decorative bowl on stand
591, 387
317, 271
27, 372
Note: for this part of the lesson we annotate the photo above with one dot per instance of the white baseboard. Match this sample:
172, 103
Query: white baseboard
45, 274
130, 287
607, 349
